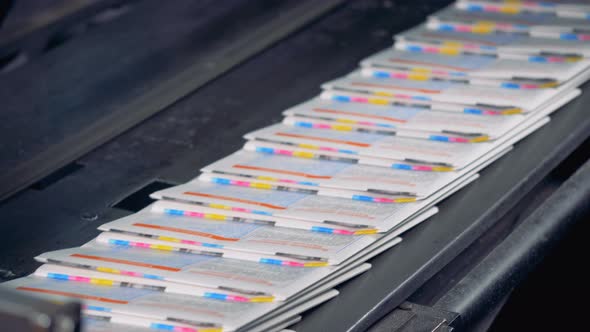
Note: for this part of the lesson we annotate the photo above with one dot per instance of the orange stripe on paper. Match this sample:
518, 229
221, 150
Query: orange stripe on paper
186, 231
280, 171
388, 86
323, 139
126, 262
68, 294
368, 116
233, 199
424, 63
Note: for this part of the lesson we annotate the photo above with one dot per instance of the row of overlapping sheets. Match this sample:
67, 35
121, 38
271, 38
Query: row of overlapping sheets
268, 232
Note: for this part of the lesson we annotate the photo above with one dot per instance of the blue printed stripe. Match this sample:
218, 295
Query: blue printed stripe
215, 296
265, 213
438, 138
508, 85
401, 166
57, 276
414, 48
303, 124
119, 242
174, 212
568, 36
97, 308
446, 27
271, 261
475, 8
537, 59
472, 111
322, 229
384, 125
212, 245
306, 183
381, 74
362, 198
347, 151
341, 98
265, 150
220, 181
160, 326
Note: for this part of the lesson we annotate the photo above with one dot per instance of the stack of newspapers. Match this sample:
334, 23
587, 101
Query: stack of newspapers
267, 232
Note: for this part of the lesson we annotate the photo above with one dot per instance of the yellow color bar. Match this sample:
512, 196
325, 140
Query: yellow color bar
219, 206
512, 111
315, 264
303, 154
308, 146
482, 29
452, 44
107, 270
214, 216
102, 282
421, 70
480, 139
161, 247
377, 101
382, 94
262, 299
168, 239
442, 169
510, 10
405, 200
549, 85
418, 76
266, 178
449, 51
342, 127
365, 232
260, 185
